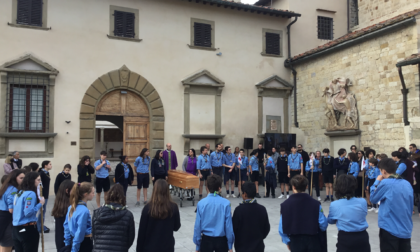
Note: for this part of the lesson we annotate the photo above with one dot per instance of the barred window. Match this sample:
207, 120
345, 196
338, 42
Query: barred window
29, 12
272, 43
202, 34
325, 28
124, 25
28, 104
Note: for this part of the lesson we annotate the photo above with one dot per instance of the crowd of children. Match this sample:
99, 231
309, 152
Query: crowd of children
387, 182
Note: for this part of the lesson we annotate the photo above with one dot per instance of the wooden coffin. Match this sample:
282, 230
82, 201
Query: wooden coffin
183, 179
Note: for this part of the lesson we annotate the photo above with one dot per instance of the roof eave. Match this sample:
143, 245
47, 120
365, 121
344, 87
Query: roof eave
347, 43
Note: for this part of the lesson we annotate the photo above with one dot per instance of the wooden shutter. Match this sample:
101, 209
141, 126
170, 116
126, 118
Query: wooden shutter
272, 43
124, 24
202, 34
29, 12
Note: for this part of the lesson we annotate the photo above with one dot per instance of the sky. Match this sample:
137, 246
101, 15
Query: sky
249, 1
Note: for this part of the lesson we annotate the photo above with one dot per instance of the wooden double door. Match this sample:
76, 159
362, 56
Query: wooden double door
136, 123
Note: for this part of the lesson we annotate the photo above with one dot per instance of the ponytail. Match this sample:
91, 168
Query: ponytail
77, 192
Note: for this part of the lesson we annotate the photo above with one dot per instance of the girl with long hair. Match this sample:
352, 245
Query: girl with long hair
78, 223
158, 170
26, 206
44, 172
124, 173
113, 216
7, 193
142, 168
159, 219
85, 170
61, 206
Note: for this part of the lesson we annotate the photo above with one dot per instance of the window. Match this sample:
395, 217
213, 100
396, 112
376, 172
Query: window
29, 14
124, 24
272, 43
354, 13
325, 28
202, 34
28, 103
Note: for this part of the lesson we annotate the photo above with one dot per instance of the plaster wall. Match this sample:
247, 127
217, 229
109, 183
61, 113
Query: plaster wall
78, 47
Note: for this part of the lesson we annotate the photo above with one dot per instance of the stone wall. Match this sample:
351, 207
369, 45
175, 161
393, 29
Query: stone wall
376, 85
375, 11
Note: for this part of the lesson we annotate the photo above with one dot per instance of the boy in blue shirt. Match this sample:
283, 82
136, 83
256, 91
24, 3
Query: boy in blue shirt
270, 176
254, 170
102, 167
213, 230
203, 169
397, 156
396, 197
229, 161
216, 160
372, 173
242, 173
294, 163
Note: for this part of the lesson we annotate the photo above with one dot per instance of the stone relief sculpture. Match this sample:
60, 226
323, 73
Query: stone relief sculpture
340, 101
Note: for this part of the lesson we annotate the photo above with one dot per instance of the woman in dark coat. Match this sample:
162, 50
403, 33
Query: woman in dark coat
157, 168
85, 170
124, 173
113, 227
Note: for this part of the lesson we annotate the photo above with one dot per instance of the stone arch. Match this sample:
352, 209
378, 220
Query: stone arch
120, 79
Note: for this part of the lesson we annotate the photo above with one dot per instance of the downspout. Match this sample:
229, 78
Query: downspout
404, 92
288, 64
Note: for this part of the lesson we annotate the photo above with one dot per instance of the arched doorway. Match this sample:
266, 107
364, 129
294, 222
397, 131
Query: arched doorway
135, 116
126, 94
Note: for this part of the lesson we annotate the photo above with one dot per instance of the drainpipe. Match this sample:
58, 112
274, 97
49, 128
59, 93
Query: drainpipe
288, 64
404, 92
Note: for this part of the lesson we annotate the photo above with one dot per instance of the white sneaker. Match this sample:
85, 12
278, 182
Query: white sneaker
377, 210
233, 196
281, 196
372, 209
227, 196
319, 198
287, 196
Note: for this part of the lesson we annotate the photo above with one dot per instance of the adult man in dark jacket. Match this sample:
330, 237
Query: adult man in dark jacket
250, 222
305, 157
17, 160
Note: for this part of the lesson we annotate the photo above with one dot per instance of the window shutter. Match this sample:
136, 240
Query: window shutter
29, 12
124, 24
325, 28
272, 43
202, 34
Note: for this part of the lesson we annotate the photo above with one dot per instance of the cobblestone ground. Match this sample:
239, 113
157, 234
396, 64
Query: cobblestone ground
183, 238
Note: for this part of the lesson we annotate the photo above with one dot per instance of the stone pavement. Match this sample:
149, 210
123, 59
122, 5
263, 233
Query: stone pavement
183, 238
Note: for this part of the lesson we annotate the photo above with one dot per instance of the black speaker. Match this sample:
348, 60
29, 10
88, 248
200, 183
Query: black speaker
248, 143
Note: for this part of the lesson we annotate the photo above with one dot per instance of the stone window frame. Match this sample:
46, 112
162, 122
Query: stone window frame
191, 87
264, 53
212, 23
275, 92
5, 136
44, 26
112, 9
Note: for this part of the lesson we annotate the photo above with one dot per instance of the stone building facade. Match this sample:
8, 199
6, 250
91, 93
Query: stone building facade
368, 58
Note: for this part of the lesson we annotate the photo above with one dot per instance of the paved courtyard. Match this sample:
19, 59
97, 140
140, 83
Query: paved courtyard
183, 238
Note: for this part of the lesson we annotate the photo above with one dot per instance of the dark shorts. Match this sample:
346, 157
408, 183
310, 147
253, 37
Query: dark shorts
283, 178
353, 241
370, 182
255, 176
244, 177
7, 240
205, 174
328, 177
143, 180
102, 184
294, 173
218, 171
229, 175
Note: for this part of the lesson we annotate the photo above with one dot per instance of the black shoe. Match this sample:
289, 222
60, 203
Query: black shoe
332, 199
326, 199
273, 196
239, 195
46, 230
257, 195
266, 196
